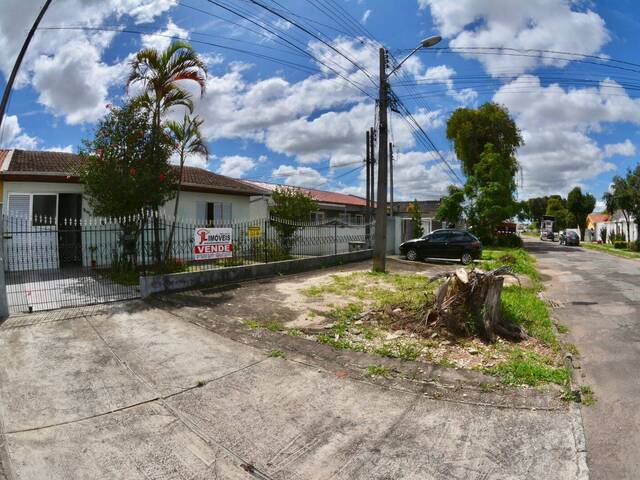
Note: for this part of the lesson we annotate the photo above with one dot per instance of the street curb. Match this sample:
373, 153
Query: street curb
577, 425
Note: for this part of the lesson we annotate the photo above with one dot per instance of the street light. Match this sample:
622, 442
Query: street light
380, 247
426, 43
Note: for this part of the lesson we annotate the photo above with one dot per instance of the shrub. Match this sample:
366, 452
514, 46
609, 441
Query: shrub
621, 245
603, 234
510, 240
634, 246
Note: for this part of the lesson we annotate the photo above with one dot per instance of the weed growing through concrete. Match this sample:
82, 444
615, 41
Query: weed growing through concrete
377, 371
275, 353
562, 328
587, 396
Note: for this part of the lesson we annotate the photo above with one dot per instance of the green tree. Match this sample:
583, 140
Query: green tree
471, 130
117, 172
580, 206
557, 207
491, 188
119, 176
416, 218
620, 198
537, 207
291, 206
451, 206
159, 74
188, 142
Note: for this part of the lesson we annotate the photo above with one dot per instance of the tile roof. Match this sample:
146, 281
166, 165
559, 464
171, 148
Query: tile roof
41, 163
598, 217
321, 196
3, 153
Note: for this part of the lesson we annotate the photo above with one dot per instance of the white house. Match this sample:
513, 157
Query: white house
616, 224
43, 188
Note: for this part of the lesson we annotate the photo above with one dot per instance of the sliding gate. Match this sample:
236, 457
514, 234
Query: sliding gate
61, 262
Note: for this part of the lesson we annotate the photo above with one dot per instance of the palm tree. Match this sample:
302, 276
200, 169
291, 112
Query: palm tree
190, 142
159, 74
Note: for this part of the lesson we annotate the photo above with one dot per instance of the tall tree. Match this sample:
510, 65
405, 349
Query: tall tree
619, 198
491, 188
117, 171
557, 207
159, 74
537, 207
451, 206
485, 140
471, 129
580, 206
189, 141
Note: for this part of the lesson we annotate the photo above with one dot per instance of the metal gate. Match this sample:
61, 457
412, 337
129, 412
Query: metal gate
55, 262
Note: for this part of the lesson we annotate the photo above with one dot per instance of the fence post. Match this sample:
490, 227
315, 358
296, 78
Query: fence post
4, 303
144, 263
264, 241
335, 238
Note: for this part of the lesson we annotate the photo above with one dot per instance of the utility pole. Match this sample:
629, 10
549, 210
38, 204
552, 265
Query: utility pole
367, 208
380, 247
16, 66
391, 178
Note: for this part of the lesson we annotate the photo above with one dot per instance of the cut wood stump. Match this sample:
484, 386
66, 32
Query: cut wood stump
475, 296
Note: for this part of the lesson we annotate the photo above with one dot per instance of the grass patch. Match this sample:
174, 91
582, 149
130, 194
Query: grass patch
403, 351
377, 371
275, 353
273, 324
528, 368
562, 328
520, 261
294, 332
406, 290
488, 387
445, 362
608, 248
524, 307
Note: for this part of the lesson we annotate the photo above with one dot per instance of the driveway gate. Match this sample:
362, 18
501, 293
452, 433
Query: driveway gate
59, 262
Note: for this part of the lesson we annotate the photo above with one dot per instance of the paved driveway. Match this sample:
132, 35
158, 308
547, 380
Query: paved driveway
599, 300
141, 391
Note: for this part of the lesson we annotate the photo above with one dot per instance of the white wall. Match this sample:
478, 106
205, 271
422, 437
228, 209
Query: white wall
188, 207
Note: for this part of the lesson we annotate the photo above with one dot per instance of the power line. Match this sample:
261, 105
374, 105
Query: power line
241, 15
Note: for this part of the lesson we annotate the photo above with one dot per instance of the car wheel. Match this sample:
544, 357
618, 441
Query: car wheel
466, 259
412, 255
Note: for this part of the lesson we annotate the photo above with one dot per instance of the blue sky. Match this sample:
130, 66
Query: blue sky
264, 120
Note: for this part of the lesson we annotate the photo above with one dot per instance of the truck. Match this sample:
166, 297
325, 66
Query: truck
547, 225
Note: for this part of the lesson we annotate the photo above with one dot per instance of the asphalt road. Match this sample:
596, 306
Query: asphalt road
598, 297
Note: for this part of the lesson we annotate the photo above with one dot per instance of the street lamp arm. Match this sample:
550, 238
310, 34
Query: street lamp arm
426, 43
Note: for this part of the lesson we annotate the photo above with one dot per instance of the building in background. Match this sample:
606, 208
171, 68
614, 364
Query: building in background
332, 206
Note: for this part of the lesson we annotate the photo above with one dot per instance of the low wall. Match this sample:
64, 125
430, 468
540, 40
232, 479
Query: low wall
186, 280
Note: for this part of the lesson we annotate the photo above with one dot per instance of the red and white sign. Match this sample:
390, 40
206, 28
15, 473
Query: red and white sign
211, 243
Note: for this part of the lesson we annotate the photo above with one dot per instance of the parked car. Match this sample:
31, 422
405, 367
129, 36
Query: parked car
445, 243
569, 238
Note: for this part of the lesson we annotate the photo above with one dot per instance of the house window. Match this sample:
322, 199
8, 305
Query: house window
317, 217
358, 219
44, 209
218, 213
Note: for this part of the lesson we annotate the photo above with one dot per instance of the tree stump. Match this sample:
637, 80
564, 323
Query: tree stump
473, 295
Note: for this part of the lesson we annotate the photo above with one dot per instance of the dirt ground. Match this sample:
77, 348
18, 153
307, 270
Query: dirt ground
284, 304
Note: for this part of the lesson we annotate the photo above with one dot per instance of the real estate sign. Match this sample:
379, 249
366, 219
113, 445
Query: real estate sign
211, 243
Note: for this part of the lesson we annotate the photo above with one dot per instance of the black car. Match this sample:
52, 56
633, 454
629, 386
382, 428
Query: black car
570, 238
446, 243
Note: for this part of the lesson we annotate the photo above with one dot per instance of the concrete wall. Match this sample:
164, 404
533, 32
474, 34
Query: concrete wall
183, 281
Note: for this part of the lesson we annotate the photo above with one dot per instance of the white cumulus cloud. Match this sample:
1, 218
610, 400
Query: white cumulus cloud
625, 149
236, 166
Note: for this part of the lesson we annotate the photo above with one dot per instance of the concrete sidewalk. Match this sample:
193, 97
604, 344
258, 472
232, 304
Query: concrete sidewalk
139, 392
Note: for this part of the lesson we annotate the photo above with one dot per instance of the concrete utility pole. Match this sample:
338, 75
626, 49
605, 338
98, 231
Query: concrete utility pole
367, 208
16, 66
391, 178
380, 247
